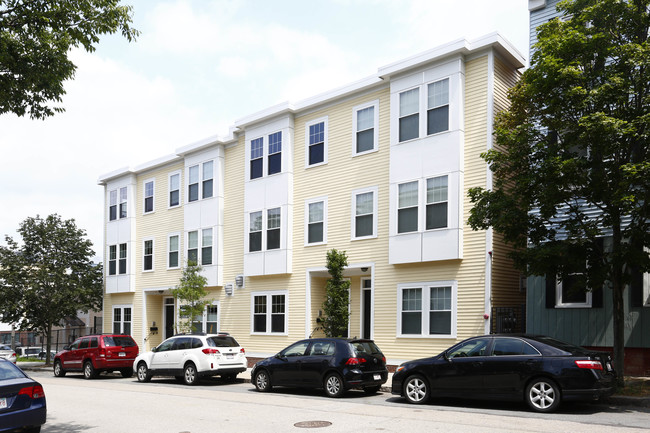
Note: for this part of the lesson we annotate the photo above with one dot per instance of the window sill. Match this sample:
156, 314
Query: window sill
363, 238
148, 213
374, 150
315, 244
270, 334
428, 337
570, 306
315, 165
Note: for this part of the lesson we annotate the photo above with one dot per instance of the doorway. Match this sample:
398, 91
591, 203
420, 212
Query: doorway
169, 314
366, 308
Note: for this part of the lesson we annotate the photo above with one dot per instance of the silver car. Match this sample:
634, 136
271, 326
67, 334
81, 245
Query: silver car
8, 353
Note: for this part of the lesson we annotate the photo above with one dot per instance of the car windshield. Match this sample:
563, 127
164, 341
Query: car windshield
8, 371
365, 347
222, 341
119, 341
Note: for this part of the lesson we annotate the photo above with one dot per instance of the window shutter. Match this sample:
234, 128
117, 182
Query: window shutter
636, 289
597, 298
550, 291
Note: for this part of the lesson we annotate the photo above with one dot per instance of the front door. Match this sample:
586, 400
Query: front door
366, 308
169, 317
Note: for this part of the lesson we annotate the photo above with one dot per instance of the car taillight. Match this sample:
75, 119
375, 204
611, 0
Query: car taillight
242, 351
33, 391
101, 353
210, 351
592, 365
355, 361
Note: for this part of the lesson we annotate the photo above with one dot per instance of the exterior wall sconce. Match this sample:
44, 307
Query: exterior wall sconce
228, 289
239, 281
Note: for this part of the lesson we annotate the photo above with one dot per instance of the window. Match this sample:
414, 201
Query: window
206, 247
365, 122
148, 196
174, 189
207, 322
257, 158
269, 313
147, 261
112, 260
193, 247
438, 107
364, 204
316, 142
512, 346
571, 292
427, 309
173, 249
273, 222
123, 202
407, 207
255, 232
436, 215
122, 320
409, 116
193, 188
316, 229
112, 208
208, 182
275, 153
122, 263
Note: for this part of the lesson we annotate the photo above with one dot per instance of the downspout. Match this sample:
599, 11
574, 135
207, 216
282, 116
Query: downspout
488, 185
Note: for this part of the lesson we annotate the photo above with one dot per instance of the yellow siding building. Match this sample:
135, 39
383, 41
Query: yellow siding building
379, 169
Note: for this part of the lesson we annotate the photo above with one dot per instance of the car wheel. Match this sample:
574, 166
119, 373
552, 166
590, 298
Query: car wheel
416, 389
542, 395
58, 369
36, 429
262, 381
333, 385
143, 373
126, 372
190, 375
372, 389
89, 370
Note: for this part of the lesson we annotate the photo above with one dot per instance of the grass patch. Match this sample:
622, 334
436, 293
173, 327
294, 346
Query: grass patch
635, 388
29, 359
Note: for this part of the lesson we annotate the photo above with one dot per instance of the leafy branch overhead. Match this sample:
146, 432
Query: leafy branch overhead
335, 322
190, 293
36, 38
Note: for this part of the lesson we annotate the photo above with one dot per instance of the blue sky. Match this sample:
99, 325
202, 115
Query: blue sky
200, 65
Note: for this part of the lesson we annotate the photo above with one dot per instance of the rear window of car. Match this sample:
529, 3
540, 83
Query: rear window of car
365, 347
32, 351
8, 371
222, 341
117, 340
553, 347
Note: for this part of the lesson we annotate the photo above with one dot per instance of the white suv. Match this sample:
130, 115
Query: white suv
187, 357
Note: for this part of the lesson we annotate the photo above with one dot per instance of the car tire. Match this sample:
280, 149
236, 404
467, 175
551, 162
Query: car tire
89, 370
143, 373
416, 389
126, 372
262, 381
36, 429
542, 395
370, 390
333, 385
190, 375
58, 369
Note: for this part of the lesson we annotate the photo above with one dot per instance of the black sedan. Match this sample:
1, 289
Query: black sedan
334, 364
539, 370
22, 400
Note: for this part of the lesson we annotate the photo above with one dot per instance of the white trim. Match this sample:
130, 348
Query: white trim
144, 196
153, 250
362, 309
121, 307
375, 140
353, 213
325, 121
424, 286
320, 199
179, 251
560, 304
180, 188
269, 305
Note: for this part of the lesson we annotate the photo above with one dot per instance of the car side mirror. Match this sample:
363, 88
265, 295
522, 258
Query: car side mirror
66, 347
155, 349
446, 356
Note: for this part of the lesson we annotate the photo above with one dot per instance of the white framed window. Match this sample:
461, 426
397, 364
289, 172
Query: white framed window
426, 199
173, 251
265, 155
275, 153
365, 125
569, 294
175, 189
364, 213
193, 246
316, 221
208, 322
193, 185
208, 179
112, 260
255, 232
147, 255
199, 246
409, 114
148, 196
438, 106
122, 259
427, 309
436, 202
273, 224
434, 109
269, 312
122, 319
112, 206
257, 158
206, 247
407, 207
200, 181
316, 135
264, 230
123, 202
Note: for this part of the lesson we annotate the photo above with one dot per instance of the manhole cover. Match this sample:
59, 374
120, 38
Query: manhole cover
312, 424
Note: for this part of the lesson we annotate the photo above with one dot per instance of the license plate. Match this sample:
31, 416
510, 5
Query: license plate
3, 403
229, 355
377, 377
121, 354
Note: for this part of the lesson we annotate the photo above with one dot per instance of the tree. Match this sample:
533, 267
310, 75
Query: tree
36, 37
49, 276
335, 323
571, 163
190, 292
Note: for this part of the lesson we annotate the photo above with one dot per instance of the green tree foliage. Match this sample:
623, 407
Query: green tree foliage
557, 192
49, 276
190, 293
337, 315
36, 37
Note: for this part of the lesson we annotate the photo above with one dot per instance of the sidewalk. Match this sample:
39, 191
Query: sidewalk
617, 400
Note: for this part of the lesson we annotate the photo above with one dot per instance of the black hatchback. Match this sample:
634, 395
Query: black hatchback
539, 370
334, 364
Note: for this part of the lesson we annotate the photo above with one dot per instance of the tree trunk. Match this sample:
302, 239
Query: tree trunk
617, 303
48, 344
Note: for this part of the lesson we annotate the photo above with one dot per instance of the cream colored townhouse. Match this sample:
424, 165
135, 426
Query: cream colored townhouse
379, 169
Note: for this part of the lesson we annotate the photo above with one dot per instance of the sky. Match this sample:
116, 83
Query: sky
197, 67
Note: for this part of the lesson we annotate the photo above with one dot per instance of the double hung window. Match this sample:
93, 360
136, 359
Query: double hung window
436, 110
122, 320
435, 202
257, 158
407, 207
112, 207
315, 222
148, 196
123, 202
365, 128
269, 313
409, 114
273, 222
147, 259
438, 107
275, 153
316, 138
427, 309
257, 229
436, 215
364, 210
199, 246
208, 181
122, 262
173, 250
174, 189
255, 232
112, 260
201, 181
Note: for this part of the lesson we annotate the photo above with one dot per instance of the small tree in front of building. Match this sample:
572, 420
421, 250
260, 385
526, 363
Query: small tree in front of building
190, 293
337, 314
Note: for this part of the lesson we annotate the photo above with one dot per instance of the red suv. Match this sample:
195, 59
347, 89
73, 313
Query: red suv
96, 353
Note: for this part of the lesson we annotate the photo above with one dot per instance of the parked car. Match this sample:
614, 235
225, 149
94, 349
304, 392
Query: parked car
22, 400
334, 364
94, 354
31, 352
43, 353
538, 370
188, 357
6, 352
